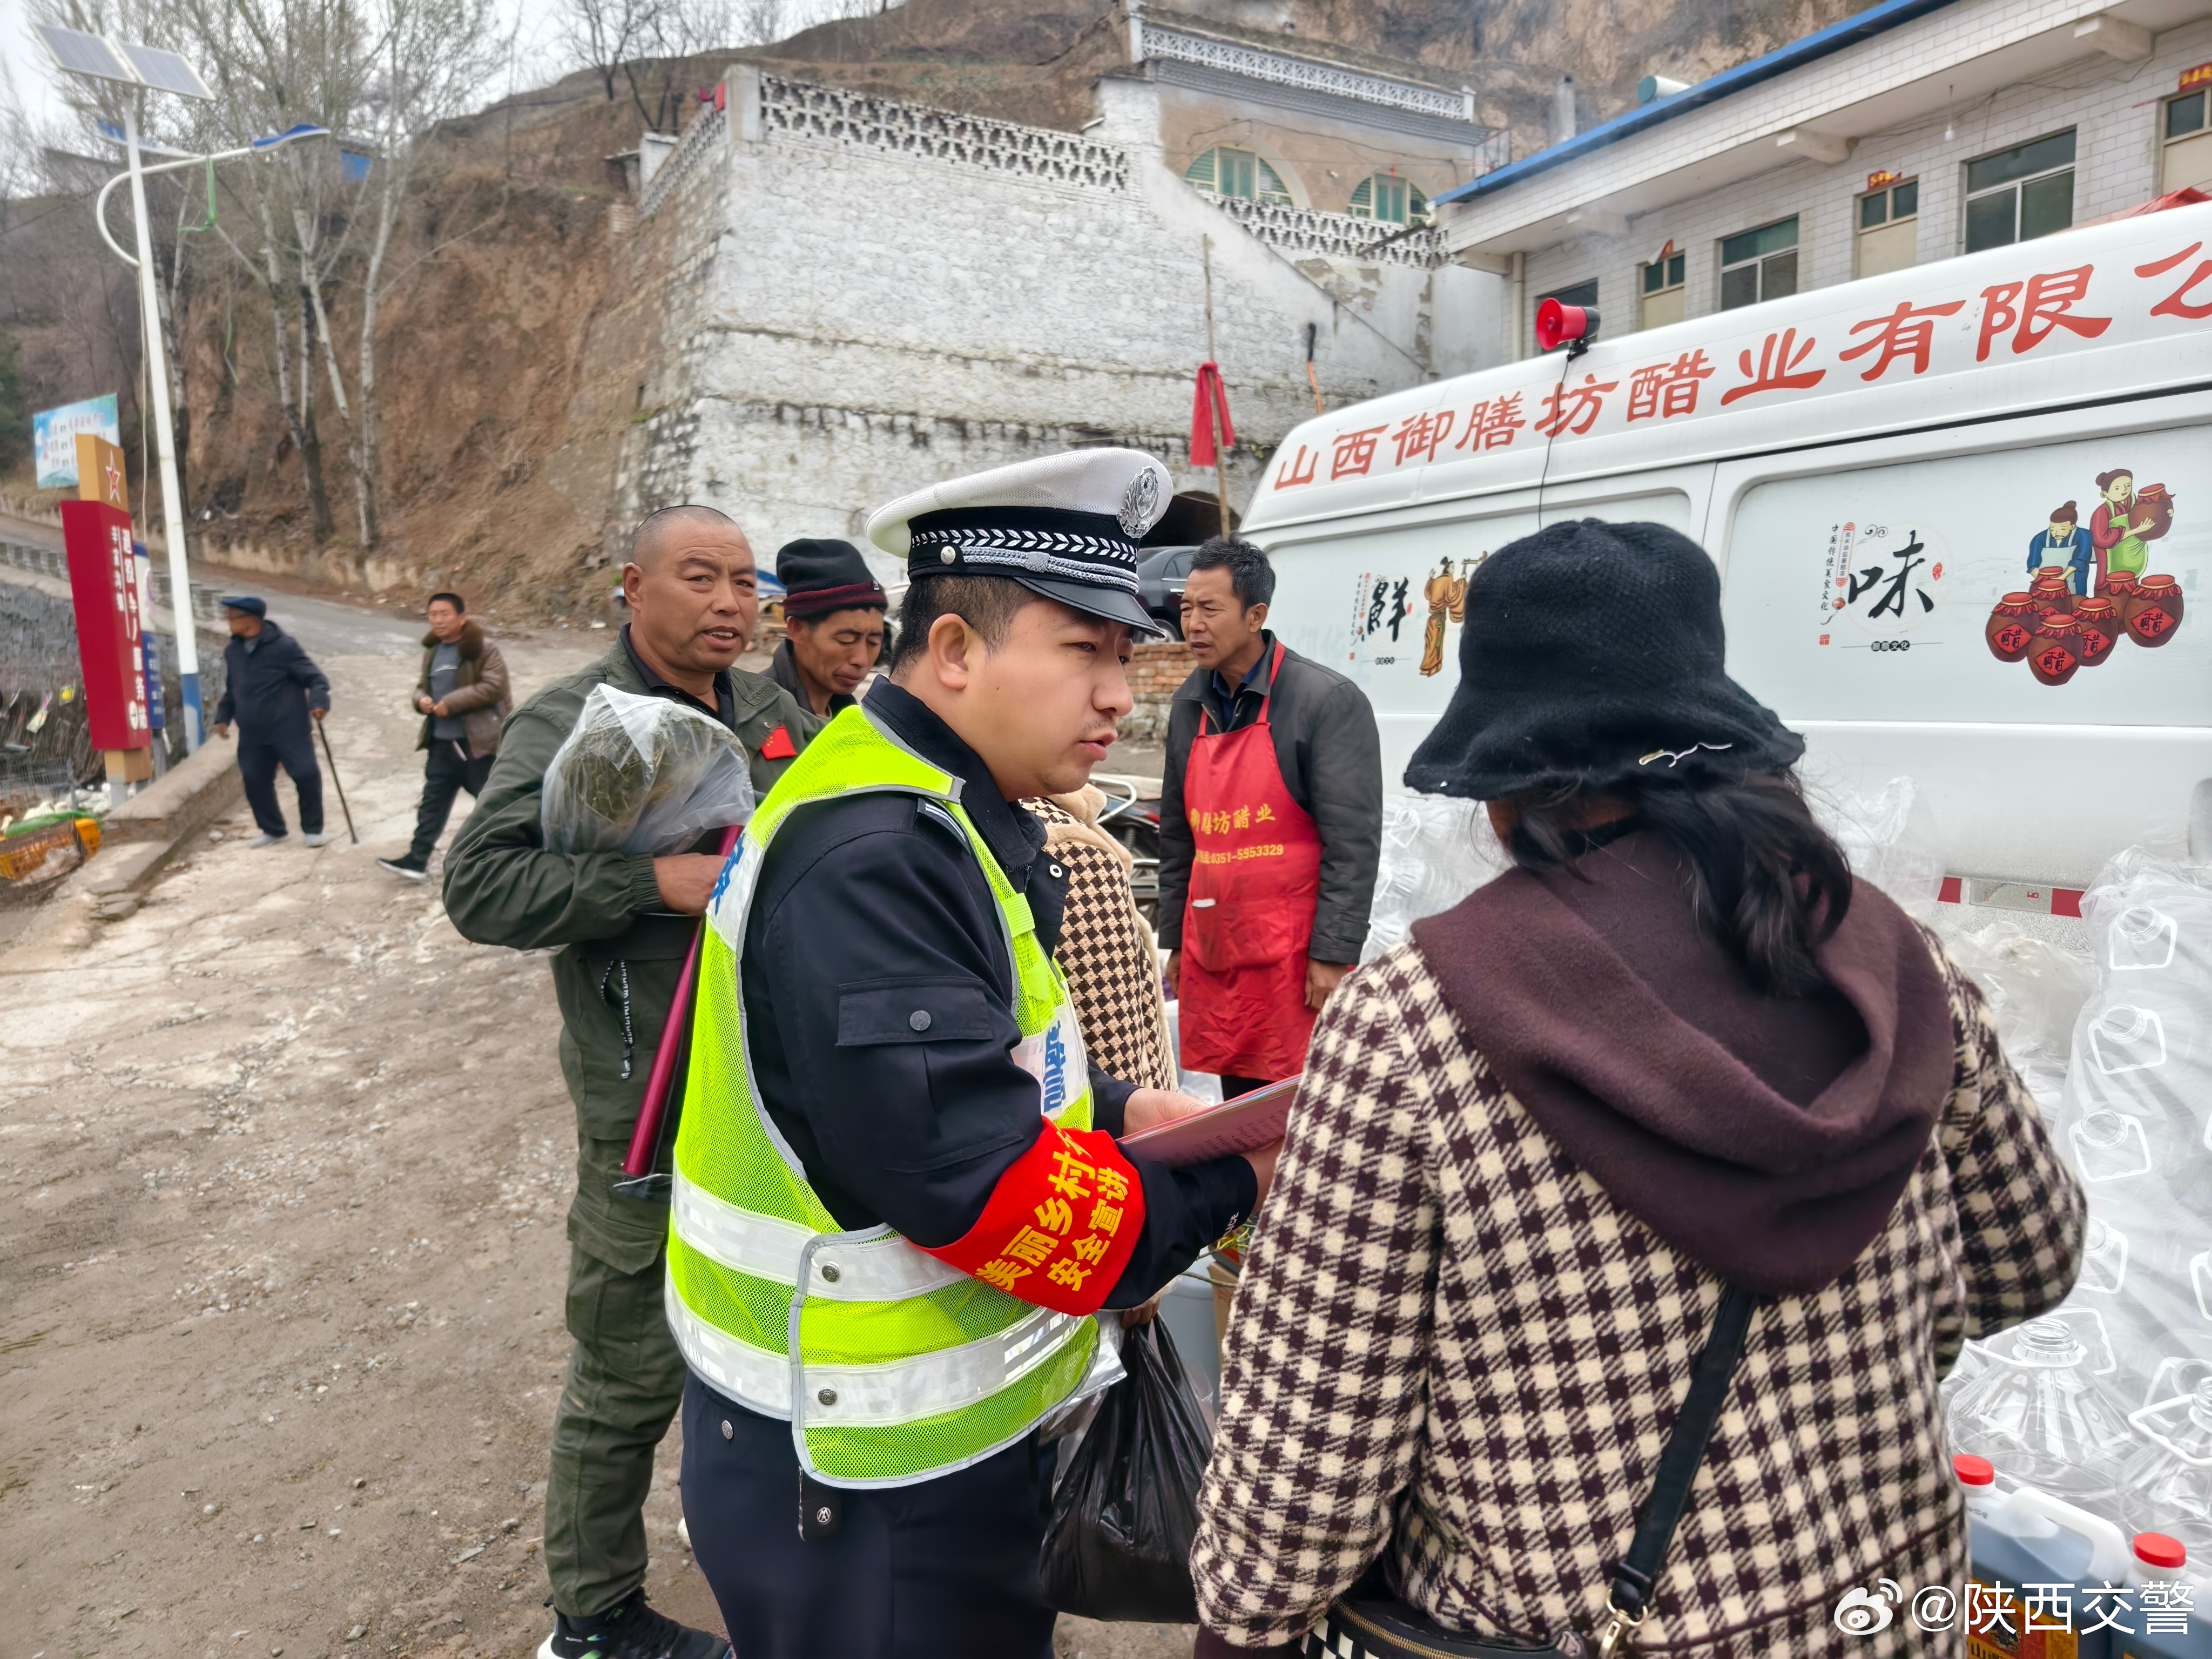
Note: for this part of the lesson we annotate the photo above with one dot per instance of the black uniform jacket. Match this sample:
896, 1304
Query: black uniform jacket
268, 685
871, 908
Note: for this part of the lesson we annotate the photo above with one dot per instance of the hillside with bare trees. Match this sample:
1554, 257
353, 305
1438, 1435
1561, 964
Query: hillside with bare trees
399, 356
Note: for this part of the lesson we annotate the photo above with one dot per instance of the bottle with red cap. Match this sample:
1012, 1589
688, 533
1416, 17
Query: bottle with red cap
2171, 1615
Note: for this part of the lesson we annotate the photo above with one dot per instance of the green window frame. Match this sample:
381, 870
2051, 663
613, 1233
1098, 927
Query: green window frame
1388, 197
1890, 204
1228, 170
1661, 274
1760, 264
2020, 194
2186, 114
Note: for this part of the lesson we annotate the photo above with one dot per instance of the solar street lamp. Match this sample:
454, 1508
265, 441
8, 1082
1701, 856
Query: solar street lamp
150, 69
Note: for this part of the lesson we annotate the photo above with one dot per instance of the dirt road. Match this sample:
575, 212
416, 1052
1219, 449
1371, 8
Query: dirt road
283, 1168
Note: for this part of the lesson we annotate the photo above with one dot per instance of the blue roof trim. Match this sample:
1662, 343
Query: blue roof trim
1874, 20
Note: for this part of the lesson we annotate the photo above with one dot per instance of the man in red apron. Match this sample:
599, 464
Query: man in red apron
1271, 827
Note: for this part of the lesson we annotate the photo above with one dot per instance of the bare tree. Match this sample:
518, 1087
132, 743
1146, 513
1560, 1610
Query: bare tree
761, 22
433, 59
607, 34
275, 64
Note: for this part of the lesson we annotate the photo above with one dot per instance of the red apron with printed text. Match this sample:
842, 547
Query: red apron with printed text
1248, 920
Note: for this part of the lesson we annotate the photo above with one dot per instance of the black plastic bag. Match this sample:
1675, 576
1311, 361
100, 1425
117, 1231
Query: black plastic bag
1126, 1509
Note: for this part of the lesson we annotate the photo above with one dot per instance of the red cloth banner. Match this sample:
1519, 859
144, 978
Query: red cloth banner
1209, 416
1060, 1225
104, 584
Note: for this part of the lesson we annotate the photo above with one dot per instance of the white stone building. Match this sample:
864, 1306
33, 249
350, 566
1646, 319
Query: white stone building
1912, 131
870, 294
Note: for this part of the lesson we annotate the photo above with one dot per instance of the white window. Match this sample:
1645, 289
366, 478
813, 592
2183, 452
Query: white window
1659, 286
1889, 227
1386, 196
2020, 194
1760, 264
1227, 171
2186, 129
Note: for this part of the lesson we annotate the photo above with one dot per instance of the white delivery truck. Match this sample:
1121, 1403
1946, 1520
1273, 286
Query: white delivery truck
1874, 467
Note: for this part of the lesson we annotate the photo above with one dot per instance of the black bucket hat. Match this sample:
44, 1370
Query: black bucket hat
1593, 653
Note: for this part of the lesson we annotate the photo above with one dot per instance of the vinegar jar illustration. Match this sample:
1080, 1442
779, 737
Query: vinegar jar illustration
2166, 1485
2119, 587
2042, 1418
2054, 655
2011, 627
2050, 591
2155, 611
2097, 621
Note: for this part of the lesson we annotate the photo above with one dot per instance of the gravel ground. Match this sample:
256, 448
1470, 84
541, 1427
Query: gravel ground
283, 1166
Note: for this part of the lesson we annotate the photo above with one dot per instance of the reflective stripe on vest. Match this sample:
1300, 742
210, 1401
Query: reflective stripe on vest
892, 1366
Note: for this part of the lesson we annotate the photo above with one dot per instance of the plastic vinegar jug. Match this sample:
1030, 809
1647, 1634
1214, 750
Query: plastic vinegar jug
2165, 1488
2040, 1416
2164, 1597
2029, 1537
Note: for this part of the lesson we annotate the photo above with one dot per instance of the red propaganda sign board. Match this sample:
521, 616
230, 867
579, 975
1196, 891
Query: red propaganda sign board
2196, 76
104, 583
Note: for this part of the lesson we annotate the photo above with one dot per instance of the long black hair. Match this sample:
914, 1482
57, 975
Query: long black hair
1766, 879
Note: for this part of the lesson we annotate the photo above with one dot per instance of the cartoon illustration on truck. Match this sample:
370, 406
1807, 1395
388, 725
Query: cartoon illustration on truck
2090, 591
1446, 595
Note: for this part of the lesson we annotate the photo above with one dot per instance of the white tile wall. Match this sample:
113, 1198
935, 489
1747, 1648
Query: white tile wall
2115, 109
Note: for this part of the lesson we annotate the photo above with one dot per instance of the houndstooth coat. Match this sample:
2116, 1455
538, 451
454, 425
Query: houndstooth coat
1450, 1343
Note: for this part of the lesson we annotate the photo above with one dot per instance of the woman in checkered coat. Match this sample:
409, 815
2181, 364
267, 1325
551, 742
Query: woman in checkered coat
1675, 1049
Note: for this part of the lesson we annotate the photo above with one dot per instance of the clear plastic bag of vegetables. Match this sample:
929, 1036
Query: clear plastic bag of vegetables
642, 775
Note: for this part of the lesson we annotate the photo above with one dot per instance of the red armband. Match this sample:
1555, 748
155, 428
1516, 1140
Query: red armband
1060, 1225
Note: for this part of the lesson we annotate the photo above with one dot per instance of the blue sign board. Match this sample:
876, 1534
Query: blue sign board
54, 435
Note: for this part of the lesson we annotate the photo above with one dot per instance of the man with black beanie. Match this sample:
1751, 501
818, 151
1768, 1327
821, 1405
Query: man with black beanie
833, 617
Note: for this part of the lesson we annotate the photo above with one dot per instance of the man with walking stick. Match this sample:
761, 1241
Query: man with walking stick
625, 923
276, 696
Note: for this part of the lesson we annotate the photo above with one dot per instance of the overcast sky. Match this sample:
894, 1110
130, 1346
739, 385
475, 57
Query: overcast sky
539, 56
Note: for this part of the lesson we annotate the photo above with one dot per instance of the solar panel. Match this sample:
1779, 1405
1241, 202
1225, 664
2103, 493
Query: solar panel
165, 71
79, 53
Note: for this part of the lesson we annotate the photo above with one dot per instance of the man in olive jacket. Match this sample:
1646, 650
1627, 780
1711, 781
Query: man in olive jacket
624, 921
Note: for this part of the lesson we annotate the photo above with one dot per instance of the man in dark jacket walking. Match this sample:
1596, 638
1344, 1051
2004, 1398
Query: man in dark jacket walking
1271, 827
624, 922
463, 697
273, 690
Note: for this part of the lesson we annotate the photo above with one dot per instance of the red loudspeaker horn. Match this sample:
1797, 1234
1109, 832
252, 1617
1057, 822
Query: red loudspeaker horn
1558, 324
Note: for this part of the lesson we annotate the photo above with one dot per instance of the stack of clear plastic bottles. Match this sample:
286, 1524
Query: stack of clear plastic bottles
2106, 1402
1436, 851
2101, 1408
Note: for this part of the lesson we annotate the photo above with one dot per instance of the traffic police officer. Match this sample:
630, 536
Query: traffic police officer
898, 1199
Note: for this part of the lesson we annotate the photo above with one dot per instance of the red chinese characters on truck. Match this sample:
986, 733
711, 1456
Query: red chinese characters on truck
1915, 337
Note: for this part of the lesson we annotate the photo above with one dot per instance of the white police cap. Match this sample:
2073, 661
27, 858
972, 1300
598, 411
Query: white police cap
1066, 527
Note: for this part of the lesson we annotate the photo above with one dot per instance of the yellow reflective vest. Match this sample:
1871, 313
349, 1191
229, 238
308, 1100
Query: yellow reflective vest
892, 1366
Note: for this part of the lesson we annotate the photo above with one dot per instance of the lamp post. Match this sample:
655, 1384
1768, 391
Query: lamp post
149, 68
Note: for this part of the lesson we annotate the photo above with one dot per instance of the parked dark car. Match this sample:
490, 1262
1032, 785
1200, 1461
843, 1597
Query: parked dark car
1161, 573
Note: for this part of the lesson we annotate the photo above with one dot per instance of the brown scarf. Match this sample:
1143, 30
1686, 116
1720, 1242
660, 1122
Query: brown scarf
1768, 1138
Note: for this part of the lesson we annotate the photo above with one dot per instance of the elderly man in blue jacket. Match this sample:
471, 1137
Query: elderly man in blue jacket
272, 689
2065, 543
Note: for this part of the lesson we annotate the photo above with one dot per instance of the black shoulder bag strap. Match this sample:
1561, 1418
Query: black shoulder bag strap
1634, 1578
1369, 1623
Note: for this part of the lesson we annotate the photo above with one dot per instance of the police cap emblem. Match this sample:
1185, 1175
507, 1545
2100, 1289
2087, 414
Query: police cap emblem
1139, 503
